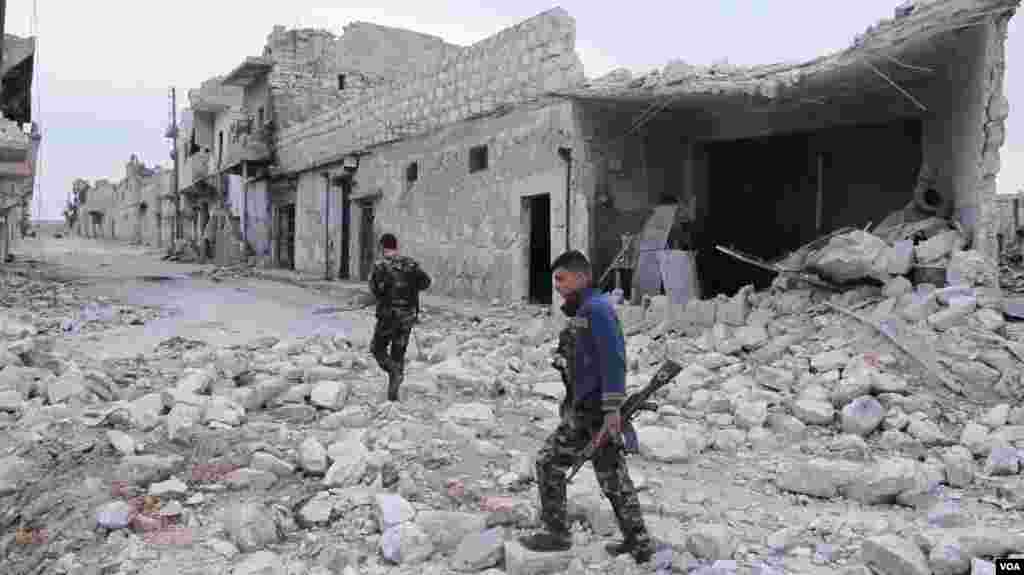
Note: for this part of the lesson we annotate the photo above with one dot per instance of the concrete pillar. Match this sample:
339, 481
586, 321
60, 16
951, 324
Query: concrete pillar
965, 126
994, 131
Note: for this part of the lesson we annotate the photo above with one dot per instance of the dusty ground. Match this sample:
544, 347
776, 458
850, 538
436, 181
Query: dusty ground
251, 415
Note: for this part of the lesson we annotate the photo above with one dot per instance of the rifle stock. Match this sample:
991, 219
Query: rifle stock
635, 403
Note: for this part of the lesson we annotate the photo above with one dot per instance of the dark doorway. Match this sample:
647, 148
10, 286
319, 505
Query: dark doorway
286, 236
540, 249
367, 241
771, 195
346, 226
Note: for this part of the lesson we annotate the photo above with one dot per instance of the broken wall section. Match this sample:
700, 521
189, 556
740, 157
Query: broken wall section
515, 65
627, 172
997, 109
315, 71
303, 81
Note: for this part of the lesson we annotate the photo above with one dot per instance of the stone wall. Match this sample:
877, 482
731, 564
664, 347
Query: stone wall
307, 63
510, 67
388, 53
466, 229
303, 81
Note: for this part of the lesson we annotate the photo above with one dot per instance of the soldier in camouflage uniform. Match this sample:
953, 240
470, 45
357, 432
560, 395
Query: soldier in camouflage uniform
591, 414
396, 282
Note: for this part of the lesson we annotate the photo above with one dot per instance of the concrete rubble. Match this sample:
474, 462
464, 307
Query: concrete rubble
818, 447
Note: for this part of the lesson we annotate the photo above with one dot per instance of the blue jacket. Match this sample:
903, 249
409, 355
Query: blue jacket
600, 352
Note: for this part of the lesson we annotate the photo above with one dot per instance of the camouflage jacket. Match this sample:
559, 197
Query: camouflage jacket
396, 282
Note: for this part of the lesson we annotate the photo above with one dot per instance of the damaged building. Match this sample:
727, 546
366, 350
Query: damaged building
767, 159
135, 209
488, 160
228, 135
19, 141
383, 129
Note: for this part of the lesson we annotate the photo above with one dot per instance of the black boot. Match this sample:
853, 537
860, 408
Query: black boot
547, 541
394, 380
641, 553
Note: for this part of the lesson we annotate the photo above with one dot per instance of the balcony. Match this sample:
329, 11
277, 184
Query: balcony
193, 169
246, 142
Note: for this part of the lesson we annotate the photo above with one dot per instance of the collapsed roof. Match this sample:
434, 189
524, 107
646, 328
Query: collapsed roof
910, 33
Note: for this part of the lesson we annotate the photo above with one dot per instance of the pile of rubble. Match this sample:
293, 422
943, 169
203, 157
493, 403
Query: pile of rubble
811, 431
46, 307
1011, 277
226, 273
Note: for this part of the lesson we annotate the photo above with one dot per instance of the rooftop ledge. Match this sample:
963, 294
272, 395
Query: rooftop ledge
249, 71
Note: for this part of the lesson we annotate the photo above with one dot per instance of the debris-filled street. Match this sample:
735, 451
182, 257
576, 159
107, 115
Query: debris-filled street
495, 296
798, 438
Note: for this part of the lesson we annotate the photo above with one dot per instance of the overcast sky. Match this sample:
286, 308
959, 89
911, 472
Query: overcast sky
105, 66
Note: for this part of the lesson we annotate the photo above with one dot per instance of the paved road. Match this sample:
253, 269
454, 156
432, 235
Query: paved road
220, 313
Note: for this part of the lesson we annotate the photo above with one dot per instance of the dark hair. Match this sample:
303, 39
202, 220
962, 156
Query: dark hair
389, 242
573, 261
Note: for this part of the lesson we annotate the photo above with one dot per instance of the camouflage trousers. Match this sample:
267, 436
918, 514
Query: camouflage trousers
390, 340
578, 427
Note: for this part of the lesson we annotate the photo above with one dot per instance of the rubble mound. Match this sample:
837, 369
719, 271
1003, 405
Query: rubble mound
870, 428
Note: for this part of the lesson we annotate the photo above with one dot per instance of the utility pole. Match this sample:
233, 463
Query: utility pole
3, 28
173, 131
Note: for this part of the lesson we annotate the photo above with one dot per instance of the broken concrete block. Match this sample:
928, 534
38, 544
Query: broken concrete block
479, 551
946, 294
899, 257
990, 319
971, 267
886, 481
711, 542
848, 257
1014, 307
959, 466
734, 311
893, 554
897, 287
521, 561
960, 308
818, 477
702, 312
814, 412
862, 415
937, 247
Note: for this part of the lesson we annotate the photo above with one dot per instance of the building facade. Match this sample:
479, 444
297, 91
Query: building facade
137, 209
19, 141
448, 151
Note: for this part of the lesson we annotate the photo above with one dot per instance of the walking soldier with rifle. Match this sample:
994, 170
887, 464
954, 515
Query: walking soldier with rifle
396, 282
594, 417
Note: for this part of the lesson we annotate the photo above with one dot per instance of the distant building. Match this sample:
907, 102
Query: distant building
133, 209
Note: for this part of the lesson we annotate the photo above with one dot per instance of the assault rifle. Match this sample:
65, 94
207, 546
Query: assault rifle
636, 402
